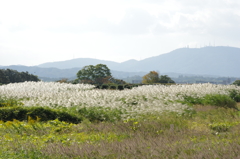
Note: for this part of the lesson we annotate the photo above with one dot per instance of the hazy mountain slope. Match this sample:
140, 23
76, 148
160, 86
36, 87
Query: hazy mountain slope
219, 61
64, 73
223, 61
45, 72
79, 63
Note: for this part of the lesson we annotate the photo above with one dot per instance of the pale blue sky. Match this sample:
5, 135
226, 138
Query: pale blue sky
34, 32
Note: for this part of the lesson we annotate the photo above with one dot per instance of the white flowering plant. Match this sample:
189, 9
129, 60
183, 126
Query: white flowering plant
139, 100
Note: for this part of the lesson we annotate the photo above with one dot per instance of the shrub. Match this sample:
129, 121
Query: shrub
191, 100
237, 83
234, 95
127, 86
104, 86
114, 87
45, 114
220, 100
120, 87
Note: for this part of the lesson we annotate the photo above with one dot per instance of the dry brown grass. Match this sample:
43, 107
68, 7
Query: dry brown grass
155, 139
141, 145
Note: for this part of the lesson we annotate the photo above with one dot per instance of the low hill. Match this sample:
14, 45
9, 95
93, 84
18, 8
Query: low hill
219, 61
208, 61
53, 74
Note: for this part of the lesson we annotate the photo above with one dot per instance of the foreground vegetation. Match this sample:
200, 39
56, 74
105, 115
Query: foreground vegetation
200, 123
209, 132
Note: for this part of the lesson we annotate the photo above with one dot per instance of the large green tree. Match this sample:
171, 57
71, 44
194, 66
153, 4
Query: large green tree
98, 74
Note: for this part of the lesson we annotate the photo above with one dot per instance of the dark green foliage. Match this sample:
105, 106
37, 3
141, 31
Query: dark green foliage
104, 86
220, 100
96, 114
44, 113
10, 113
153, 77
191, 100
165, 79
113, 87
127, 86
116, 86
120, 87
237, 83
117, 81
4, 79
71, 118
234, 95
98, 74
13, 76
13, 109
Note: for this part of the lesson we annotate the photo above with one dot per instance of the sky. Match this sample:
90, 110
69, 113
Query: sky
34, 32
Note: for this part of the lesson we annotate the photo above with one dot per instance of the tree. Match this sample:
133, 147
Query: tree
153, 77
165, 79
150, 78
117, 81
3, 78
98, 74
237, 83
13, 76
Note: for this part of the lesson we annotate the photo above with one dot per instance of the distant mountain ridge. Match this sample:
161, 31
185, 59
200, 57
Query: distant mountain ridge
214, 61
55, 73
219, 60
79, 62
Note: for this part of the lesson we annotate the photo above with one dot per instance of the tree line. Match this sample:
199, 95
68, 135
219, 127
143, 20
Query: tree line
13, 76
100, 74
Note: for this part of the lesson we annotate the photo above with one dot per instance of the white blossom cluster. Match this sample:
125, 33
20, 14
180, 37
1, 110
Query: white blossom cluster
149, 98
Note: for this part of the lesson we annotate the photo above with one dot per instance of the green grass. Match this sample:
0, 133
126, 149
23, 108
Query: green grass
220, 100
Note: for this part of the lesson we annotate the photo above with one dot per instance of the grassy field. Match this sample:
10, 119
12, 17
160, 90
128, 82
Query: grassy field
208, 128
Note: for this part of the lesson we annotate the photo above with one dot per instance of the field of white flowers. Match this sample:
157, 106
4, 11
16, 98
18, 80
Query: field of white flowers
143, 99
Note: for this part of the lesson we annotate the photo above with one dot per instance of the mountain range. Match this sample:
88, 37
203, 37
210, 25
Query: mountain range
215, 61
220, 61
